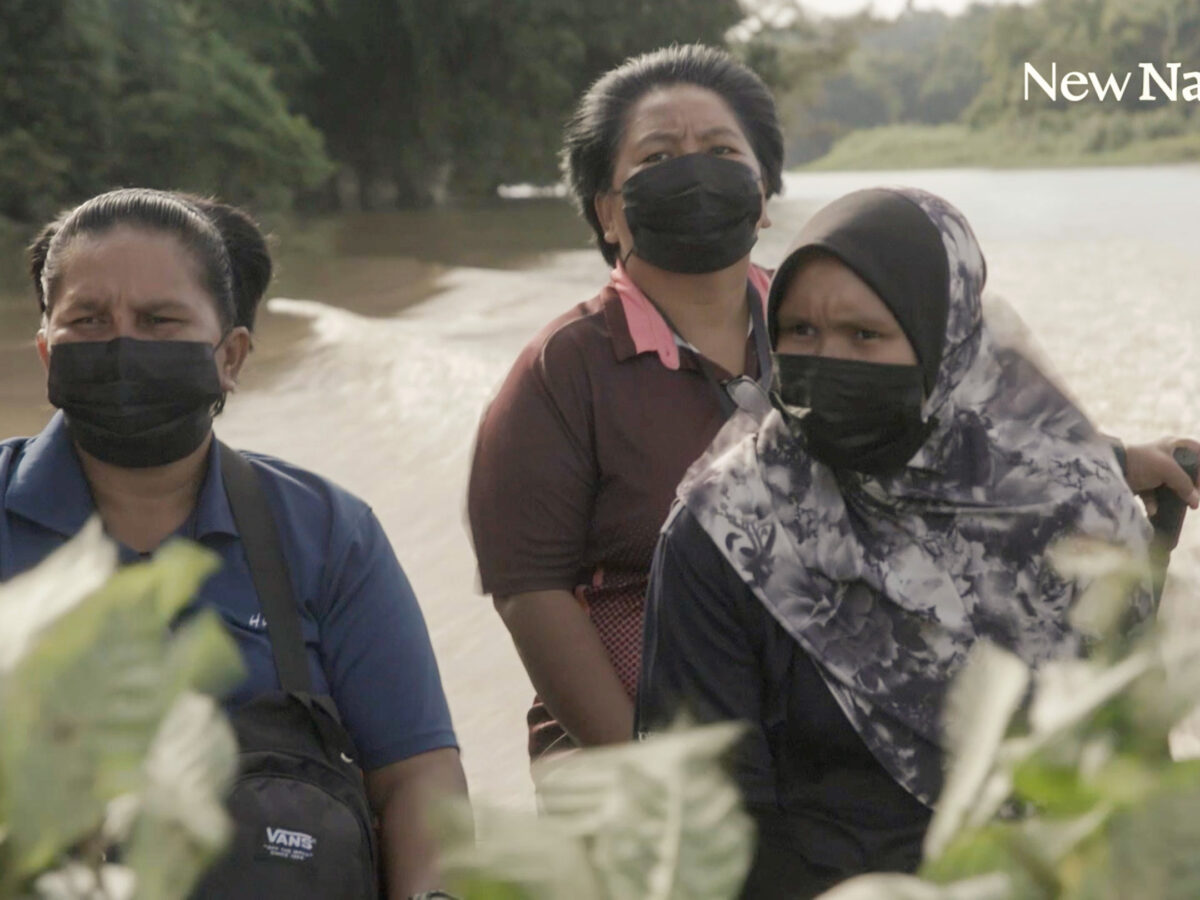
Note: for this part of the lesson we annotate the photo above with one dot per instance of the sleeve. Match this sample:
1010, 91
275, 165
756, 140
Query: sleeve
533, 479
700, 654
376, 652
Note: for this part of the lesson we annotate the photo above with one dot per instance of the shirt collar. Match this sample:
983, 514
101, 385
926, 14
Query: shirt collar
213, 515
645, 327
49, 488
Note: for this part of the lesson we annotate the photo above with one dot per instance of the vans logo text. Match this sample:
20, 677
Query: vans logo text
290, 844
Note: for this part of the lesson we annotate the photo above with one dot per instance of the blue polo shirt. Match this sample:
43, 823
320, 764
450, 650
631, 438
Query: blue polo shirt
367, 643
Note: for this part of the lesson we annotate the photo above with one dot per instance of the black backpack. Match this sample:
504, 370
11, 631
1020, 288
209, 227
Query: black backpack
303, 827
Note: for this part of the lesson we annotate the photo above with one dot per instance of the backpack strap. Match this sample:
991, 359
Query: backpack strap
268, 569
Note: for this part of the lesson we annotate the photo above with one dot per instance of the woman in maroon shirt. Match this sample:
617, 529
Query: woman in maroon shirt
670, 158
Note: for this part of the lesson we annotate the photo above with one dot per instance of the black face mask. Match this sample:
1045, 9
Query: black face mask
864, 417
136, 403
693, 214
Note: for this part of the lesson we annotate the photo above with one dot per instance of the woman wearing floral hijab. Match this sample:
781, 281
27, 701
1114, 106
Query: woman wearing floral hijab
826, 574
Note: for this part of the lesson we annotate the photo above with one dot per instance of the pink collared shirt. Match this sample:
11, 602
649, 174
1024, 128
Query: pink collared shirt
647, 328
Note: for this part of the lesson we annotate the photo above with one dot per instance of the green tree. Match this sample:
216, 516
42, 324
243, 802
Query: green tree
420, 98
98, 93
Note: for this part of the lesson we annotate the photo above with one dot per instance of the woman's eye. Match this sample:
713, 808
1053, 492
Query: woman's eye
866, 334
656, 157
85, 320
801, 329
722, 150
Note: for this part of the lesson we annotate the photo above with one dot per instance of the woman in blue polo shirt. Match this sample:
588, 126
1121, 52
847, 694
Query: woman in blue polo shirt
147, 301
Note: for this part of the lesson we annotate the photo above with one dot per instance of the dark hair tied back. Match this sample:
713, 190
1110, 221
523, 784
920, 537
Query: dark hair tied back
227, 245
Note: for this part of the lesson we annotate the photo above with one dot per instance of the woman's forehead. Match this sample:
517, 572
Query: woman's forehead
129, 261
676, 110
826, 283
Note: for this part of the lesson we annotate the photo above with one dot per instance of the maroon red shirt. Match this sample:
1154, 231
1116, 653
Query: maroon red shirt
577, 461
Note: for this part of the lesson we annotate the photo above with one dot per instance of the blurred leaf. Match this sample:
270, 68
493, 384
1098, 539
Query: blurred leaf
514, 855
979, 851
663, 819
657, 820
75, 881
979, 707
83, 703
1068, 691
201, 657
906, 887
183, 824
1054, 789
1042, 845
34, 599
1151, 851
1109, 575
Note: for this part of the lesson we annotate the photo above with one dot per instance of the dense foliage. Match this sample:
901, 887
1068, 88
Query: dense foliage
1062, 785
930, 69
100, 93
261, 102
369, 103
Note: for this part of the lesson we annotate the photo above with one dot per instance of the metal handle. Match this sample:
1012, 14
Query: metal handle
1168, 518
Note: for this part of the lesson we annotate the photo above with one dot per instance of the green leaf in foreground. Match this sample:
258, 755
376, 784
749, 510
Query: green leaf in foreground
183, 824
83, 699
514, 856
979, 707
657, 820
1150, 851
906, 887
663, 819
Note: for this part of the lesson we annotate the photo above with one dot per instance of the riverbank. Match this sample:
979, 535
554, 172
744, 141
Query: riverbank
1095, 143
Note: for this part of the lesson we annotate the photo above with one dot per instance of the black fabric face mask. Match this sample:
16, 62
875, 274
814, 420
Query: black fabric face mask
864, 417
693, 214
136, 403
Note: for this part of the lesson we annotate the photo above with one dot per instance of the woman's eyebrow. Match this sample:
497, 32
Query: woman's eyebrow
864, 318
720, 131
163, 305
656, 135
81, 304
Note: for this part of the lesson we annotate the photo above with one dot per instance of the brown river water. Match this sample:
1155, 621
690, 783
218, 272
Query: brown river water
387, 333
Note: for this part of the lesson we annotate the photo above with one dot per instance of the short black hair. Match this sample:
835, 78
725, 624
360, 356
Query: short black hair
228, 246
594, 131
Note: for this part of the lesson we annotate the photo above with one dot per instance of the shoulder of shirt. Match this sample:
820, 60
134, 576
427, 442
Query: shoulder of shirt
581, 330
306, 489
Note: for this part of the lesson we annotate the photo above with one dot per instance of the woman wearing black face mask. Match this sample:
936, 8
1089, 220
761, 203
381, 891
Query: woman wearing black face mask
147, 300
826, 573
670, 158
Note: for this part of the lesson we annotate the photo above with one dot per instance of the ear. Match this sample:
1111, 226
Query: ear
43, 348
231, 355
605, 205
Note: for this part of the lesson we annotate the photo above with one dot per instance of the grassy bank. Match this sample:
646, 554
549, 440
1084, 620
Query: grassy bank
1098, 141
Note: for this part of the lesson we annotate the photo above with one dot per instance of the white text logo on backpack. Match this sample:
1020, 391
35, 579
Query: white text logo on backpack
286, 844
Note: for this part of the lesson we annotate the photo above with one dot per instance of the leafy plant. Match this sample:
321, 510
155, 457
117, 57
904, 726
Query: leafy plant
658, 820
1073, 795
106, 738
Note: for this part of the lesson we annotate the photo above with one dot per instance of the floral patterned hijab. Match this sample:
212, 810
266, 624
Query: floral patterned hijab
887, 582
